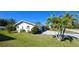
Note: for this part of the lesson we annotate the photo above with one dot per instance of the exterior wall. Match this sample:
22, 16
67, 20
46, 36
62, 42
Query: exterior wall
24, 26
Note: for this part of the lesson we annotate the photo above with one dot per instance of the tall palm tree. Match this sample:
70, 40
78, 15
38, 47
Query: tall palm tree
69, 18
66, 19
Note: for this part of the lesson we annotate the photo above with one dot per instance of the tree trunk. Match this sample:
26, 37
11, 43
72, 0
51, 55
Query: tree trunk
60, 35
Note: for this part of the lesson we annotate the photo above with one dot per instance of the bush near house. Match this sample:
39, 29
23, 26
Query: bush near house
44, 28
29, 31
22, 30
35, 30
38, 30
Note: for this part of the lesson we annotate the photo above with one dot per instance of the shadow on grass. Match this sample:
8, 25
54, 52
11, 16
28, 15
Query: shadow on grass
68, 37
5, 38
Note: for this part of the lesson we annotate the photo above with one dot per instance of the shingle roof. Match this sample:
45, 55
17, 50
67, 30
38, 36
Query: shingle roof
25, 22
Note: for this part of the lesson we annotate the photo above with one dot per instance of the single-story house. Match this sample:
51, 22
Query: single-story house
24, 25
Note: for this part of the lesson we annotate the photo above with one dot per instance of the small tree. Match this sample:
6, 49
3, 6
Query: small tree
3, 22
10, 26
35, 30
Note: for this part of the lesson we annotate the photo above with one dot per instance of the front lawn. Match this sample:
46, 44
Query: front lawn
31, 40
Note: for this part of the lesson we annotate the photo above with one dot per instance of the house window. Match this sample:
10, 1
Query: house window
28, 27
22, 27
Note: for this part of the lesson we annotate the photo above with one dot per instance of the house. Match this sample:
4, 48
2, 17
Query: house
2, 27
24, 25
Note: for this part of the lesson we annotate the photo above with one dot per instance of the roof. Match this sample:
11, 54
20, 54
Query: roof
24, 22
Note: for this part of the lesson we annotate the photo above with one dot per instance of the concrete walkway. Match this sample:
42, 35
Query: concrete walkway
73, 30
55, 33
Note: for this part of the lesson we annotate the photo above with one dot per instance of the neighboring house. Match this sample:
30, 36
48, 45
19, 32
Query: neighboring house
2, 27
24, 25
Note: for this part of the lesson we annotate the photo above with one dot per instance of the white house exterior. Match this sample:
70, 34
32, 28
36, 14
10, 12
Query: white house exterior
24, 25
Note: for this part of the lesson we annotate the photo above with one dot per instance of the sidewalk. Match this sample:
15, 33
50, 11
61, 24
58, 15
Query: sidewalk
73, 30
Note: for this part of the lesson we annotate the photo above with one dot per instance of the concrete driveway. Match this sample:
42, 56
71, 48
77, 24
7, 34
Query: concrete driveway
55, 33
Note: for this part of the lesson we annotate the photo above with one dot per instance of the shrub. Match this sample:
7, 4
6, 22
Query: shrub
29, 31
69, 26
44, 28
35, 30
10, 28
22, 30
76, 26
47, 28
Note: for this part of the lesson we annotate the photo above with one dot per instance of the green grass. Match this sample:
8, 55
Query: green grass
31, 40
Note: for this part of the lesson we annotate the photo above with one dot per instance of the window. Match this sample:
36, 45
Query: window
28, 27
22, 27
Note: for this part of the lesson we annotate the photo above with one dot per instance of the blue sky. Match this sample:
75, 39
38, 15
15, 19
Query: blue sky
32, 16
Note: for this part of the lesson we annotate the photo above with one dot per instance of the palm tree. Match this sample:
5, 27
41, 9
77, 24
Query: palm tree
49, 21
66, 19
61, 23
69, 18
52, 21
